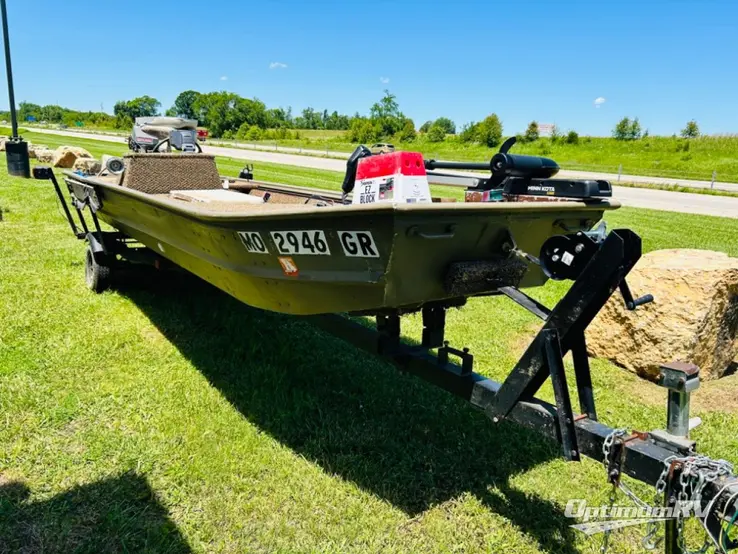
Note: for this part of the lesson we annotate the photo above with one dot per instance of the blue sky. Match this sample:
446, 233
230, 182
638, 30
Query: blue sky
663, 61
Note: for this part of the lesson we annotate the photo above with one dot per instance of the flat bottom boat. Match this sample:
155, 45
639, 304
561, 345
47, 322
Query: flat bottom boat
304, 251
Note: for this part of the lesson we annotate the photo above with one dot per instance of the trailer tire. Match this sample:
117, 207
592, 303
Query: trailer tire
97, 275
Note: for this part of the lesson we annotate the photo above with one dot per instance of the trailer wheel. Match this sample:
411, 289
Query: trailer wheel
97, 276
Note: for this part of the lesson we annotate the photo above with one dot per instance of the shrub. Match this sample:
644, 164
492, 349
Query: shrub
691, 130
254, 133
425, 126
627, 129
544, 148
682, 146
242, 131
572, 137
362, 131
448, 126
555, 134
227, 134
489, 131
469, 132
436, 133
622, 129
407, 133
532, 133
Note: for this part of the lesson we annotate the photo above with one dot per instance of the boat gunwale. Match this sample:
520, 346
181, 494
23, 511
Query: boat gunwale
563, 207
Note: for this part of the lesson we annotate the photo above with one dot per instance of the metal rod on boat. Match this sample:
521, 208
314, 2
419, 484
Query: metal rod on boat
435, 164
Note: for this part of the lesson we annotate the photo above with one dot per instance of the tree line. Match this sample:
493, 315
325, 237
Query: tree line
228, 115
28, 111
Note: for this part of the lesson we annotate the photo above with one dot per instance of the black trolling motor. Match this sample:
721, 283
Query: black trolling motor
517, 174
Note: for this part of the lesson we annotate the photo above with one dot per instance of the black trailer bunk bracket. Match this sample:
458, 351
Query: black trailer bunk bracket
109, 248
649, 457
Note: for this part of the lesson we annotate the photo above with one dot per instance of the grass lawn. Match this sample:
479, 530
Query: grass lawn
164, 416
652, 156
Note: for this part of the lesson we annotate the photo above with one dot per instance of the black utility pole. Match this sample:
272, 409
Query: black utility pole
16, 149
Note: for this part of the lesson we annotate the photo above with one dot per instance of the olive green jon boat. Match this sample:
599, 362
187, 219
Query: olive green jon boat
306, 252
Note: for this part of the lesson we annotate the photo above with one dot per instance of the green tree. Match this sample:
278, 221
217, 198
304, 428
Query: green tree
278, 118
310, 119
143, 106
386, 116
212, 110
555, 134
407, 133
635, 130
436, 133
691, 130
622, 129
448, 126
362, 130
425, 127
572, 137
26, 110
531, 133
184, 104
489, 131
469, 132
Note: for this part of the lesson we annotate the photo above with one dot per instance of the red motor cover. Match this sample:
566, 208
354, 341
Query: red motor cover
391, 163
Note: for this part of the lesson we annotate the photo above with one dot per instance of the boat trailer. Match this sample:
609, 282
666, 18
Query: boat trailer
687, 484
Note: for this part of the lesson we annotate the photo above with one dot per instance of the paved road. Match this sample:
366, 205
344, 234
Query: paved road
641, 198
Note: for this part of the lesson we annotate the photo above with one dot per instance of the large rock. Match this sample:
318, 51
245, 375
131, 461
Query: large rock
65, 156
87, 165
44, 155
694, 316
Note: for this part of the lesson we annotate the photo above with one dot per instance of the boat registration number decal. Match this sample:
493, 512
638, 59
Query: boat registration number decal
253, 242
358, 244
311, 243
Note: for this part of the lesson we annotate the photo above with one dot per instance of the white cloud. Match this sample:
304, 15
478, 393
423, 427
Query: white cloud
277, 65
224, 78
384, 80
599, 101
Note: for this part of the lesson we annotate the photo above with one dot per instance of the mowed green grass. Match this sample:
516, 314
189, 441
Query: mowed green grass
164, 416
651, 156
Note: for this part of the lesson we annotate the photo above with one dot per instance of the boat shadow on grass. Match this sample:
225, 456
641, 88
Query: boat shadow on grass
119, 514
351, 413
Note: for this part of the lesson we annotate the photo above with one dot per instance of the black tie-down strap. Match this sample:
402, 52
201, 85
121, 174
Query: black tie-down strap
563, 331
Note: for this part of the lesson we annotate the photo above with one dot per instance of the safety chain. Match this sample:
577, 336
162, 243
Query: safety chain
696, 473
606, 460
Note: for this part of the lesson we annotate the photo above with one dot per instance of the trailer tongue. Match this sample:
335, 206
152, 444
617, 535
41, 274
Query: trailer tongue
396, 251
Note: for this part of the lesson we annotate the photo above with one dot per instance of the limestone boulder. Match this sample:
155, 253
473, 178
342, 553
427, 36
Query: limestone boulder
65, 156
694, 316
87, 165
44, 155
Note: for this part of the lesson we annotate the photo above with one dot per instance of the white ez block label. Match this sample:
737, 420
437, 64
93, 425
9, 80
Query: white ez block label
358, 244
366, 191
310, 243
